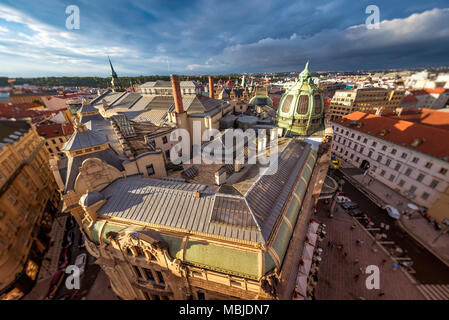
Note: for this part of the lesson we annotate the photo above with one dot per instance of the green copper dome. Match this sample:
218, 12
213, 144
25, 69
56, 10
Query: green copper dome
300, 110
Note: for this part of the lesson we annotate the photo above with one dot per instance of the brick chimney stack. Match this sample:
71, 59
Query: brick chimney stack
211, 87
177, 93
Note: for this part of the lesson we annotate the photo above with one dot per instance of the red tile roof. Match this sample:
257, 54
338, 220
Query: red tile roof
409, 98
22, 110
424, 116
54, 130
430, 91
404, 133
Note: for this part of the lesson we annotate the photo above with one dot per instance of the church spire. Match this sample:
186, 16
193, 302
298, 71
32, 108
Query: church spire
115, 83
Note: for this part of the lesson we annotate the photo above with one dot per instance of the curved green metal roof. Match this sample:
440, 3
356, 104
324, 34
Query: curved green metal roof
301, 107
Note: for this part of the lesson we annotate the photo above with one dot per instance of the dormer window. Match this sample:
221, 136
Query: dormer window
303, 105
416, 142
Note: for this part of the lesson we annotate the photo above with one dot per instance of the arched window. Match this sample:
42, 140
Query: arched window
287, 103
317, 104
303, 104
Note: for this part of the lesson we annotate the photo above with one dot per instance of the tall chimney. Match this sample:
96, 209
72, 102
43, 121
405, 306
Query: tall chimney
177, 93
211, 87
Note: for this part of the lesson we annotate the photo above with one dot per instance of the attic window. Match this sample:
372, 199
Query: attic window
359, 124
416, 142
384, 132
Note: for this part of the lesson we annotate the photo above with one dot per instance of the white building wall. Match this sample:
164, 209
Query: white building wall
343, 148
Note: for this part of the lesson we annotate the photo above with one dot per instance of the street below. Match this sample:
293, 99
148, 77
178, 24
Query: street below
426, 268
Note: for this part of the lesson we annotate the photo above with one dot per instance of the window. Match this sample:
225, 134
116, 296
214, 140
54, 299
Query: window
303, 104
361, 149
415, 160
374, 143
365, 140
408, 171
382, 173
150, 170
420, 177
379, 158
201, 295
164, 139
443, 171
374, 168
412, 189
286, 104
434, 184
370, 153
391, 178
148, 274
384, 148
403, 155
53, 141
401, 183
160, 277
393, 151
167, 154
428, 165
398, 166
352, 136
358, 138
137, 271
357, 159
425, 196
387, 163
317, 104
60, 140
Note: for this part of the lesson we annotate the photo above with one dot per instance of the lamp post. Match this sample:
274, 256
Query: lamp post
341, 182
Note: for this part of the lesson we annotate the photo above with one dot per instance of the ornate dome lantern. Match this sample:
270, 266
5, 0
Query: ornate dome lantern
300, 110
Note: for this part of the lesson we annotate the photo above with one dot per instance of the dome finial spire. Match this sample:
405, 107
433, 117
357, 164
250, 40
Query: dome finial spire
306, 71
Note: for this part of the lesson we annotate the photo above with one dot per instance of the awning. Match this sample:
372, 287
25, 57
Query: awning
301, 285
313, 228
307, 252
312, 238
305, 269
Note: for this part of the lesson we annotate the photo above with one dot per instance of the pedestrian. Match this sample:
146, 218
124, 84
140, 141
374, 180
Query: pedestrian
353, 226
345, 254
328, 243
356, 277
381, 293
383, 262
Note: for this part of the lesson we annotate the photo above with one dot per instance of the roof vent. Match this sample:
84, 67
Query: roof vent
416, 142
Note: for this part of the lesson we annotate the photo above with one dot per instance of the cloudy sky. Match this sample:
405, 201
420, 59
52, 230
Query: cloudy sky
210, 37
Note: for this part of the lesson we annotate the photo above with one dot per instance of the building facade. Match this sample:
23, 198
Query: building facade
28, 201
163, 232
55, 134
364, 99
410, 158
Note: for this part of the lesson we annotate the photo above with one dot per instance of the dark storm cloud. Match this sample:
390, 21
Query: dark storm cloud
147, 37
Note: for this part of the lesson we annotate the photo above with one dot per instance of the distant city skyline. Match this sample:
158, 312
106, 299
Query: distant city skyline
211, 37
